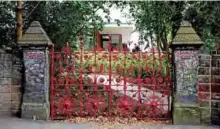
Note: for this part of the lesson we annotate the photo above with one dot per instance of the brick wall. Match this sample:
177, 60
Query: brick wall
208, 88
215, 88
203, 106
10, 82
204, 87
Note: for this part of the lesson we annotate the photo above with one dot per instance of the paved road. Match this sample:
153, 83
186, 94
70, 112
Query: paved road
15, 123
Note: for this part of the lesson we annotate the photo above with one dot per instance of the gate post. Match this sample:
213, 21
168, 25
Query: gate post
186, 45
35, 43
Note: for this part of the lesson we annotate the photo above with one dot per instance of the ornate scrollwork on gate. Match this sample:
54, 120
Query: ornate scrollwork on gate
122, 83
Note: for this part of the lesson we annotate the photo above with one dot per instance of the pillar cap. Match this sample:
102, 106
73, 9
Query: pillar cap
35, 36
186, 35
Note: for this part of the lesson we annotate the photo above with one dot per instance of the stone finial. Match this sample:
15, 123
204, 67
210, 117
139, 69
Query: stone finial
186, 35
35, 35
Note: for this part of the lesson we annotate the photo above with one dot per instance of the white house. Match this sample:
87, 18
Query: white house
121, 34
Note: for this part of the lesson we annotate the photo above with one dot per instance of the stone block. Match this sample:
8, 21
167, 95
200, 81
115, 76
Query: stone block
216, 96
215, 121
204, 63
35, 111
5, 81
186, 116
216, 57
1, 64
215, 79
16, 97
204, 95
215, 116
35, 88
203, 87
5, 113
15, 112
204, 103
37, 97
204, 56
215, 104
16, 80
16, 89
7, 73
5, 69
183, 99
215, 88
215, 71
216, 63
15, 105
17, 64
204, 79
205, 116
5, 97
214, 52
5, 89
5, 57
5, 106
204, 71
7, 65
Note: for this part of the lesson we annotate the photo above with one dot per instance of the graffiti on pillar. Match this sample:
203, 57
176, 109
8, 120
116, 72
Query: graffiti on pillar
186, 63
34, 62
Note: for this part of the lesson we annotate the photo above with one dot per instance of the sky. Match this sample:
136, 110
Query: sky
116, 13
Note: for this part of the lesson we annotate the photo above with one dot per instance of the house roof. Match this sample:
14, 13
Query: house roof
186, 35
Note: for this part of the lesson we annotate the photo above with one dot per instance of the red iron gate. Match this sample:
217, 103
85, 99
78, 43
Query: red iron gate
109, 84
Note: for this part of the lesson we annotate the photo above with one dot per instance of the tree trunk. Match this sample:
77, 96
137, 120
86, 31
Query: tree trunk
19, 20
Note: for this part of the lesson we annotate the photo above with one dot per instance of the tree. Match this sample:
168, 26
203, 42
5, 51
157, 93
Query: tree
205, 18
62, 21
8, 23
162, 20
159, 20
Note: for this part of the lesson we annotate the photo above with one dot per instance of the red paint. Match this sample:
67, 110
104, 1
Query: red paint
73, 94
34, 55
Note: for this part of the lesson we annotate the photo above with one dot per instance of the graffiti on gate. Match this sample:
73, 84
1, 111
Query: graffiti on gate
186, 70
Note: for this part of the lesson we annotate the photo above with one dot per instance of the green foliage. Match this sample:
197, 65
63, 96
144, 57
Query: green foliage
205, 18
162, 19
8, 23
158, 18
63, 21
209, 40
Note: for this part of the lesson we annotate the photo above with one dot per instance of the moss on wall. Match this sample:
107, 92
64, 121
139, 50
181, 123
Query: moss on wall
186, 116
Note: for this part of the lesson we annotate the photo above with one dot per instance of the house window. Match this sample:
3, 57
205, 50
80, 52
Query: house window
116, 41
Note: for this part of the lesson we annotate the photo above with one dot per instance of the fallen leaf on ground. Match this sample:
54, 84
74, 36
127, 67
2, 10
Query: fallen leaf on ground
116, 122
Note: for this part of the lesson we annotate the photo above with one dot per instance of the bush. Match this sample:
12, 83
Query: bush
129, 64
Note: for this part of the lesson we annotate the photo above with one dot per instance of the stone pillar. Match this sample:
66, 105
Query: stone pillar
35, 45
186, 44
186, 109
